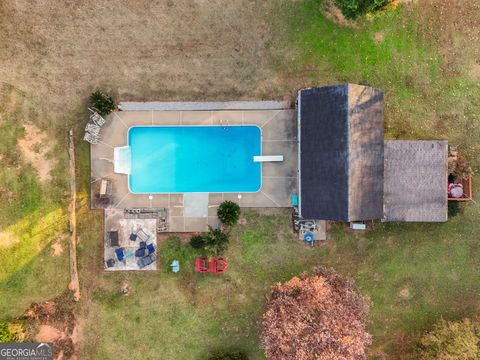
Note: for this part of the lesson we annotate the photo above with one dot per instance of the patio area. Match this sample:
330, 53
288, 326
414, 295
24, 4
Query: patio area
126, 235
186, 213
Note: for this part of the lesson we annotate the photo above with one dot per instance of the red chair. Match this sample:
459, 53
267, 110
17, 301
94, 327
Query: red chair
212, 265
221, 265
201, 265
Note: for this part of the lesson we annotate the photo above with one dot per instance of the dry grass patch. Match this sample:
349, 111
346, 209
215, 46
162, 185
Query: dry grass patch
184, 50
36, 147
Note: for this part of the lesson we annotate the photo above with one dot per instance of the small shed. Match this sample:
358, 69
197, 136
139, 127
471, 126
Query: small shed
340, 136
415, 181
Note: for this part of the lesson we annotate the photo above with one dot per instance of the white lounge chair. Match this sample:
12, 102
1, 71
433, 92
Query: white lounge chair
93, 129
96, 118
142, 235
92, 139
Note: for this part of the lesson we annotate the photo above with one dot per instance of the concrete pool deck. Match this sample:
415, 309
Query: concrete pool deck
279, 179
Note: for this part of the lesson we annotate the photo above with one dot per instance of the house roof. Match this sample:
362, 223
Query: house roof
415, 180
341, 153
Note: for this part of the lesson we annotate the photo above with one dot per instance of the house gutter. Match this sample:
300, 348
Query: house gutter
299, 147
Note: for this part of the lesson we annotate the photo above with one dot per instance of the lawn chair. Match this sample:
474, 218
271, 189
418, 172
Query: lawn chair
110, 263
93, 129
140, 252
120, 254
92, 139
105, 189
201, 264
96, 118
142, 235
113, 238
221, 265
147, 260
175, 265
150, 248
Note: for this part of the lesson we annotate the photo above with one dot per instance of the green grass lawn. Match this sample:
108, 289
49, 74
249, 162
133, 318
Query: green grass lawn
32, 217
186, 315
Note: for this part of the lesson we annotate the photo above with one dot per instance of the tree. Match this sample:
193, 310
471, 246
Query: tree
352, 9
228, 212
197, 241
102, 102
229, 355
316, 317
216, 241
450, 340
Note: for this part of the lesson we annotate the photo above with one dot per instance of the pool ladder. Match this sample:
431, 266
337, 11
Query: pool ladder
224, 123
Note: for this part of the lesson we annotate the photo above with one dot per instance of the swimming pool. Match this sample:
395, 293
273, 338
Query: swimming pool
178, 159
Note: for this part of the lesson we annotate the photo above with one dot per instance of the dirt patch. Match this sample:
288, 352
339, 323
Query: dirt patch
8, 239
475, 71
35, 147
404, 293
57, 248
242, 221
54, 322
395, 3
333, 13
47, 333
378, 37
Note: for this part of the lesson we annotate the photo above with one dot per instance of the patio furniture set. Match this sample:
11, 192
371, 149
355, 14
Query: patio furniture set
93, 127
145, 254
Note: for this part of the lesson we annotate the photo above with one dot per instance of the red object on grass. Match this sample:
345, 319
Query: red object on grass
213, 265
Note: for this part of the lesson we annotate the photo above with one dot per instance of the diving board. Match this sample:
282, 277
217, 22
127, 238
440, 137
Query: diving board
268, 158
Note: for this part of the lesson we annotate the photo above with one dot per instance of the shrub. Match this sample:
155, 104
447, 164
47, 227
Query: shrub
451, 340
460, 168
228, 212
352, 9
102, 102
197, 242
5, 334
316, 317
228, 355
216, 241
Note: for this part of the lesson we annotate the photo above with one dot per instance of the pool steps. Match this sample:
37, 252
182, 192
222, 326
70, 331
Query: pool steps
122, 160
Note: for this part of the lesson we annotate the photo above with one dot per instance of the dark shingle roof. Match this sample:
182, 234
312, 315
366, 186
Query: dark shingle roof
415, 187
341, 152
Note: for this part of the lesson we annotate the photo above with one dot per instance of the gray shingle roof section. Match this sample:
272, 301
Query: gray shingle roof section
341, 153
365, 191
324, 152
415, 187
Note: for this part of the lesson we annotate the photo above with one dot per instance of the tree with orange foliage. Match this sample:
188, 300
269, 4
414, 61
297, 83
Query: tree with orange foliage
316, 317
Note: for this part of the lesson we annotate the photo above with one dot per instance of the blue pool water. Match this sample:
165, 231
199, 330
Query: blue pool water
172, 159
